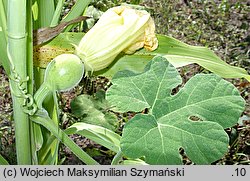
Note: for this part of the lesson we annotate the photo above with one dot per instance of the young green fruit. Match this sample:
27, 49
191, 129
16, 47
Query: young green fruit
63, 73
120, 29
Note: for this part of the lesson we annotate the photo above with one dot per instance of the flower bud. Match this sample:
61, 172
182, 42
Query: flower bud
120, 29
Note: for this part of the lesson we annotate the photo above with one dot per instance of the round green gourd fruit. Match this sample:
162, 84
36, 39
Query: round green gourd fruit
64, 72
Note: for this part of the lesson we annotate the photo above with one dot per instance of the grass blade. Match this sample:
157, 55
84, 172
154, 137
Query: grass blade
57, 13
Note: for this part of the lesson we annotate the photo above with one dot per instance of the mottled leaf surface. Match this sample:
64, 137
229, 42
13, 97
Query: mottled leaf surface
94, 110
193, 119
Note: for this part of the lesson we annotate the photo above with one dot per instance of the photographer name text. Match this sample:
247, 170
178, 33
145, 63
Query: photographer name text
95, 173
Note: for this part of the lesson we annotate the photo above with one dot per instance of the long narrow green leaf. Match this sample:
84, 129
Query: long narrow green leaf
99, 134
3, 38
5, 3
43, 119
45, 150
3, 161
3, 21
51, 105
29, 25
36, 139
46, 11
57, 13
76, 10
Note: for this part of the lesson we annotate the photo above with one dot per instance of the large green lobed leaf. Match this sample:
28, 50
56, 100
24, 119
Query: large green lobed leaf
193, 119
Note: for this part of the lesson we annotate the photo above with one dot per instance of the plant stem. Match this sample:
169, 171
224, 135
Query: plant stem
16, 23
43, 97
30, 73
42, 118
117, 158
40, 95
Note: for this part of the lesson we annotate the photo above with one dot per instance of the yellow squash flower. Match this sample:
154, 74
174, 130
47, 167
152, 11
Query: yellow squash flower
120, 29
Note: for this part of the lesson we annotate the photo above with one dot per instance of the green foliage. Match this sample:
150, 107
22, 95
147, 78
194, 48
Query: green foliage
99, 134
76, 10
3, 161
19, 26
94, 110
179, 54
48, 15
41, 117
193, 119
3, 37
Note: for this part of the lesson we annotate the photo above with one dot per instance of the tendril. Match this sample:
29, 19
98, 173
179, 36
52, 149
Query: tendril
28, 105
